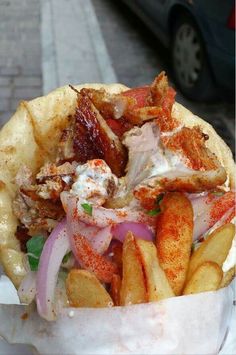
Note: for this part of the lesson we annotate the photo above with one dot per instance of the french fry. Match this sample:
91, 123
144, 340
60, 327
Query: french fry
158, 287
215, 248
133, 288
115, 289
207, 277
84, 290
228, 276
174, 238
117, 249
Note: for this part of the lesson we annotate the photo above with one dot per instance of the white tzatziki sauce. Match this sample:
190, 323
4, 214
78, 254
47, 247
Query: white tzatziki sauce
94, 181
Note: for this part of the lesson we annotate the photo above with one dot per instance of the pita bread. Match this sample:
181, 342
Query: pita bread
30, 137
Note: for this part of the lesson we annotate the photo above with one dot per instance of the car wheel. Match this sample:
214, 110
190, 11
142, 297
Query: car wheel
189, 61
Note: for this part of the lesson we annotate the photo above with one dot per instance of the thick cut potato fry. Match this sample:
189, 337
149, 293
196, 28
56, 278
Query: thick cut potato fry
228, 276
115, 289
158, 287
174, 238
133, 288
215, 248
84, 290
117, 249
207, 277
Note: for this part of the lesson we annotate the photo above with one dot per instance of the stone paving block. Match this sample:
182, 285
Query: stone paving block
32, 70
25, 93
20, 54
33, 81
5, 81
5, 92
4, 104
9, 70
73, 45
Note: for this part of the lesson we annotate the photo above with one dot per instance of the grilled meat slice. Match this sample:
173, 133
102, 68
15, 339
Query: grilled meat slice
94, 139
22, 234
176, 162
37, 216
50, 170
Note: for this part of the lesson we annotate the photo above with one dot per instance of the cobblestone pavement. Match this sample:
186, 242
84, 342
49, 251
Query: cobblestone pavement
137, 56
20, 54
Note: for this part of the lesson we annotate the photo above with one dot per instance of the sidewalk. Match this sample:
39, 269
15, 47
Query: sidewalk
73, 48
46, 44
20, 54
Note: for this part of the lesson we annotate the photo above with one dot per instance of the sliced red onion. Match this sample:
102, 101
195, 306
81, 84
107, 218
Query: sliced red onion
202, 205
87, 257
27, 289
201, 212
102, 217
207, 212
194, 196
98, 238
55, 248
140, 231
201, 225
101, 240
226, 218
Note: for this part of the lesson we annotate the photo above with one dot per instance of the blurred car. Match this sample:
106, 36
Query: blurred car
200, 35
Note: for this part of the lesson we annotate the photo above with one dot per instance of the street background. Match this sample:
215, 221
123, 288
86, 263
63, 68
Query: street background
48, 43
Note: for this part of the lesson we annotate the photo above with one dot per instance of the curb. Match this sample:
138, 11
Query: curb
73, 48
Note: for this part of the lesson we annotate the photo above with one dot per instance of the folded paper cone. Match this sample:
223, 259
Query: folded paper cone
195, 324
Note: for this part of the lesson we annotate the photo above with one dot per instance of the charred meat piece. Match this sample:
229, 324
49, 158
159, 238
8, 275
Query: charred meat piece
127, 107
23, 236
119, 127
94, 139
177, 162
109, 105
37, 216
148, 103
50, 209
49, 183
160, 93
190, 143
24, 177
51, 170
65, 147
50, 189
163, 96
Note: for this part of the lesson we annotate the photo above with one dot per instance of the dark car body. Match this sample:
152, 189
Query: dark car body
212, 18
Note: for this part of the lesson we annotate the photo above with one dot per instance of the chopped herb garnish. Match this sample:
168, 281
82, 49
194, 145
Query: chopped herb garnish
88, 208
218, 193
66, 257
154, 212
159, 198
157, 210
34, 250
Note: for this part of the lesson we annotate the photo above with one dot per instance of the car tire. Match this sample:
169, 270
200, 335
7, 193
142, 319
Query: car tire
189, 61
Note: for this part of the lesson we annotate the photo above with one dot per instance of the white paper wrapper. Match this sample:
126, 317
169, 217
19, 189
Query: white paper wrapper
195, 324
